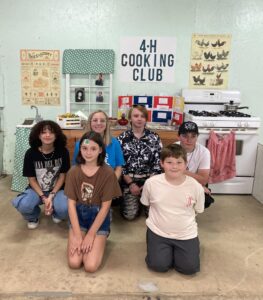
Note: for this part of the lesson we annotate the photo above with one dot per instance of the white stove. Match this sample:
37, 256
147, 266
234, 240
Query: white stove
222, 121
207, 109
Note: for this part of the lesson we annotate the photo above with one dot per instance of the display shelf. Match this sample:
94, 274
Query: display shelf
91, 97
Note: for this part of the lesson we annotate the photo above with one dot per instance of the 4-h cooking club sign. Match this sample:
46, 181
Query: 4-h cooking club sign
147, 59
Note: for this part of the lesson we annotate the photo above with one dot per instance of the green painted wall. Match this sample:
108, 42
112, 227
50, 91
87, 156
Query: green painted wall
34, 24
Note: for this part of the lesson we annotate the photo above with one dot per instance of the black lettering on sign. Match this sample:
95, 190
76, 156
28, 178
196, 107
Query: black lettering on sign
124, 60
135, 75
150, 74
143, 46
152, 46
159, 75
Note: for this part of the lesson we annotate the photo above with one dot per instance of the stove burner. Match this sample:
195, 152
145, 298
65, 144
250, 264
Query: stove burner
204, 113
221, 113
235, 114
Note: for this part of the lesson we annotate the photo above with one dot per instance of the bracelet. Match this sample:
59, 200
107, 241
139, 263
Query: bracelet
53, 194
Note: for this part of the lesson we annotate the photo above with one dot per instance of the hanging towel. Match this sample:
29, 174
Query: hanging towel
223, 156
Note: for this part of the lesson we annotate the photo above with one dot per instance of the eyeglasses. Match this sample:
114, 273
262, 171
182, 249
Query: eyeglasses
99, 121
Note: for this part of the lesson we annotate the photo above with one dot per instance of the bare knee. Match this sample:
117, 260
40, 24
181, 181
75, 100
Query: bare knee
74, 263
91, 267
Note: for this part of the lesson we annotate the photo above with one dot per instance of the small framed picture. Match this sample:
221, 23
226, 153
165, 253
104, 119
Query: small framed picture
99, 80
99, 96
79, 95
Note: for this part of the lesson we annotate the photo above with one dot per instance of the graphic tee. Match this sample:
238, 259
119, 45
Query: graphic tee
46, 167
92, 190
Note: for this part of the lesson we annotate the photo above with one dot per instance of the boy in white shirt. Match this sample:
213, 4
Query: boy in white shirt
174, 199
198, 157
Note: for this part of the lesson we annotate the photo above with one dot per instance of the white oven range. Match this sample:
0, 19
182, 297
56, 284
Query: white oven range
207, 109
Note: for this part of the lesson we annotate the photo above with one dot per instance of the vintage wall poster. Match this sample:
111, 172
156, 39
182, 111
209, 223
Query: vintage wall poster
147, 59
209, 65
40, 77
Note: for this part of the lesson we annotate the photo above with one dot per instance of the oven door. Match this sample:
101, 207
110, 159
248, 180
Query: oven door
246, 148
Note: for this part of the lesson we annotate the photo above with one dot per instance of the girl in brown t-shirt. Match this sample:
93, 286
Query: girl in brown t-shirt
90, 187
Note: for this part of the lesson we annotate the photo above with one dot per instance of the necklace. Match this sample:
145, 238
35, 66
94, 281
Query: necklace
49, 155
189, 160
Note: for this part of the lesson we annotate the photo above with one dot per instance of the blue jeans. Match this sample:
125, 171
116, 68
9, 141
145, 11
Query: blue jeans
86, 216
27, 203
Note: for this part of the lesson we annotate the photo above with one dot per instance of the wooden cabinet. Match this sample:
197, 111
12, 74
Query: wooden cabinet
167, 137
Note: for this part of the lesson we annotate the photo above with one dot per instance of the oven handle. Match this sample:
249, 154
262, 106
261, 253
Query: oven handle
240, 132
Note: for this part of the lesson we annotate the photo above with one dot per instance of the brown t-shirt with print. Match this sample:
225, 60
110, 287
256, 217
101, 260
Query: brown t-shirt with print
93, 190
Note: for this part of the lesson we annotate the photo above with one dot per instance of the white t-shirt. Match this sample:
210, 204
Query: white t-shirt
173, 207
199, 159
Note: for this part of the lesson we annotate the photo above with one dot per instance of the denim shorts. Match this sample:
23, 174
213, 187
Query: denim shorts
86, 216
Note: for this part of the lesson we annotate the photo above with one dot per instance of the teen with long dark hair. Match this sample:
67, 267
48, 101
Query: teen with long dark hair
46, 163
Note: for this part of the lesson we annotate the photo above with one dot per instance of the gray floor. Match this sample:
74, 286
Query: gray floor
33, 263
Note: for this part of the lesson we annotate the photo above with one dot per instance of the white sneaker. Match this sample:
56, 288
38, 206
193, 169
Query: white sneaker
56, 220
33, 224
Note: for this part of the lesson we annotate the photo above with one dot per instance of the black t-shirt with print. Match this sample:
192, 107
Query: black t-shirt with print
46, 168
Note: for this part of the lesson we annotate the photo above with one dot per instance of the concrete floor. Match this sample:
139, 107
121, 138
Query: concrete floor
33, 263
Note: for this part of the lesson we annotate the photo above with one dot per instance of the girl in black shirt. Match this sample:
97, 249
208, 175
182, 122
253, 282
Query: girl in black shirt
45, 165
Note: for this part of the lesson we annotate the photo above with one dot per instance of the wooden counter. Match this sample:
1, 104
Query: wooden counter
167, 136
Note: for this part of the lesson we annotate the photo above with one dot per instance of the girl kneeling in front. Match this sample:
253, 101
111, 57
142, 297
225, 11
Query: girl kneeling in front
90, 187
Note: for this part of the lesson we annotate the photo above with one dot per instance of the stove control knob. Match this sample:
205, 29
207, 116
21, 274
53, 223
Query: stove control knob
239, 124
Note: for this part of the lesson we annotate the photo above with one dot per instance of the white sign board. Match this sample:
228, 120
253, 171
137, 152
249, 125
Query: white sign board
147, 59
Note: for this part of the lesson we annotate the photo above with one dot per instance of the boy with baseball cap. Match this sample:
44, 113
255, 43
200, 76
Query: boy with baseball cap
198, 156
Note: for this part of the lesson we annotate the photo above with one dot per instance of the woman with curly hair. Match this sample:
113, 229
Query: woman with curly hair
46, 163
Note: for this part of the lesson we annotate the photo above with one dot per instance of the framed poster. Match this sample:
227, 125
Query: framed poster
209, 65
99, 96
40, 77
79, 94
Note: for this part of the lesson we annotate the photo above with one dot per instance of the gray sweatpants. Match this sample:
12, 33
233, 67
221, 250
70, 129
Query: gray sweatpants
164, 254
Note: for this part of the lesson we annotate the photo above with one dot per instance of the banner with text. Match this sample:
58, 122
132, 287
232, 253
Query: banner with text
147, 59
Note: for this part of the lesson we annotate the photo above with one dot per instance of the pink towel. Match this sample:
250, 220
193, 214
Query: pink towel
223, 156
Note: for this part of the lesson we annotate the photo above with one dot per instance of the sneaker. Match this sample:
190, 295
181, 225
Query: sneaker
56, 220
33, 224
